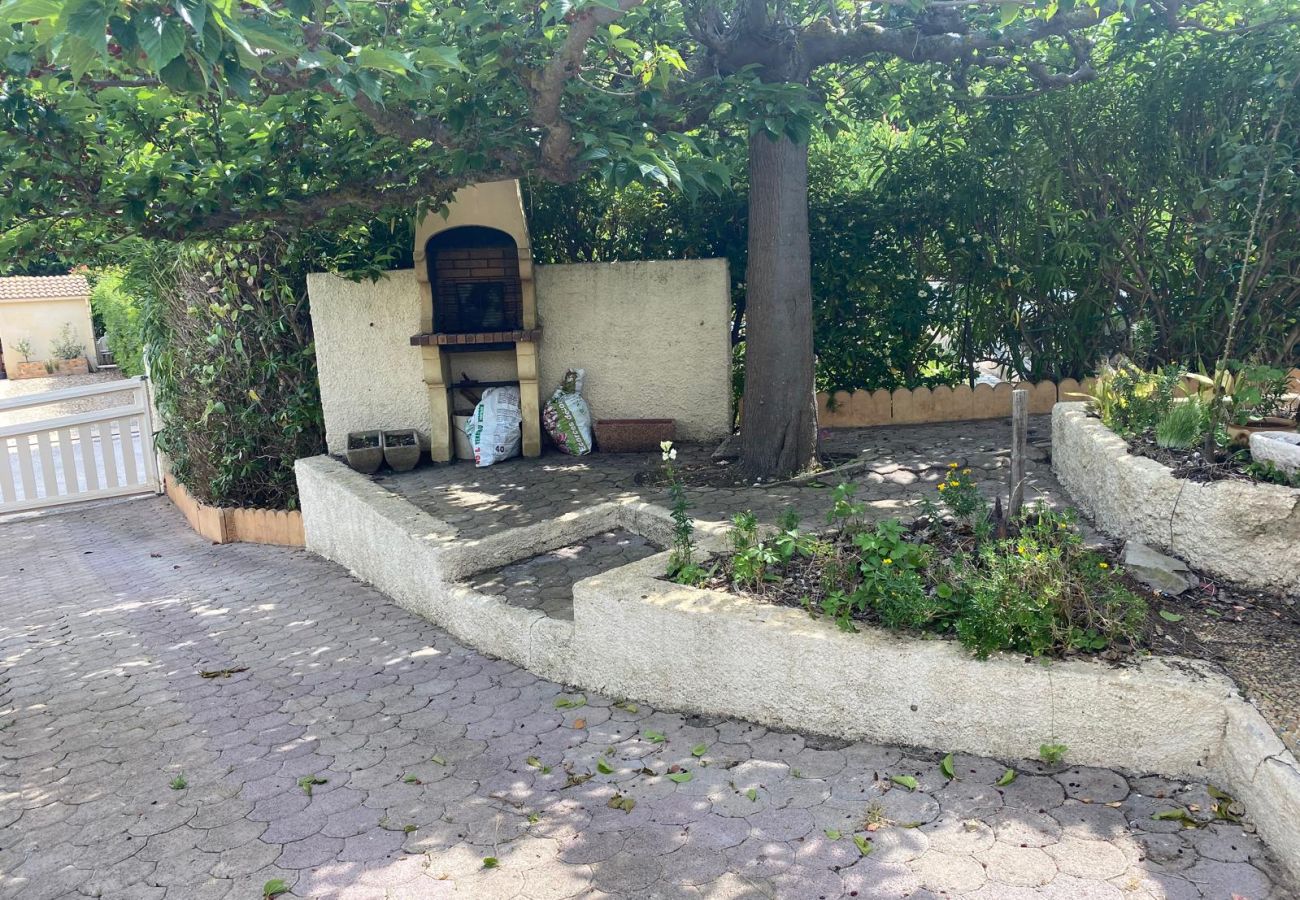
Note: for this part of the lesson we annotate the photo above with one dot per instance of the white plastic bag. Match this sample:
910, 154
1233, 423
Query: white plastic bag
567, 418
494, 428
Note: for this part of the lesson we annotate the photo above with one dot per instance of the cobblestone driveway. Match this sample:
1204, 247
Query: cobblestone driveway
427, 760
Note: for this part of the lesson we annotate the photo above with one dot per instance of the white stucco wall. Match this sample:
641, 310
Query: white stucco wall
370, 375
654, 338
41, 322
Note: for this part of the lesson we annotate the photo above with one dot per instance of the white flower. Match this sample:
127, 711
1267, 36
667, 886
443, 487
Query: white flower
672, 454
665, 446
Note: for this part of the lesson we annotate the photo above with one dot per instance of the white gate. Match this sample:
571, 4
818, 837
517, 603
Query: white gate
87, 456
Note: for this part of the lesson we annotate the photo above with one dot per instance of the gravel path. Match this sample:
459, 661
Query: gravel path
353, 750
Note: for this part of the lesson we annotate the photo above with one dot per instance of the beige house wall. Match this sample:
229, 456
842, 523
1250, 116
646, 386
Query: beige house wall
41, 321
653, 337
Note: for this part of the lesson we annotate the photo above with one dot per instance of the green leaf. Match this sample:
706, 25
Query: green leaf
654, 737
905, 781
1007, 777
439, 57
490, 862
87, 20
833, 834
1170, 617
864, 846
193, 13
680, 777
603, 767
574, 702
1177, 815
274, 888
438, 759
946, 768
1010, 12
699, 750
384, 60
161, 39
752, 794
15, 11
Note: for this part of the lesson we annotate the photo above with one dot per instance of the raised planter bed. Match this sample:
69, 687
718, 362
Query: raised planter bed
29, 370
636, 635
78, 366
1242, 531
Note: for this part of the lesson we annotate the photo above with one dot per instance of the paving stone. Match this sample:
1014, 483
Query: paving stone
343, 684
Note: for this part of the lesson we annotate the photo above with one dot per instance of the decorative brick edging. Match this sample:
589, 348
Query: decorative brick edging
228, 525
914, 406
860, 409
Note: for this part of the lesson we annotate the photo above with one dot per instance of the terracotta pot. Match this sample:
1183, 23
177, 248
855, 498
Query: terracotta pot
365, 454
401, 449
29, 370
1239, 435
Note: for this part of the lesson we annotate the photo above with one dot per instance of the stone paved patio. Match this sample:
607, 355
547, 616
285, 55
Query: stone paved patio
429, 758
905, 464
546, 581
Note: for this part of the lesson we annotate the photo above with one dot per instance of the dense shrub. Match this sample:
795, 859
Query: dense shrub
233, 367
117, 309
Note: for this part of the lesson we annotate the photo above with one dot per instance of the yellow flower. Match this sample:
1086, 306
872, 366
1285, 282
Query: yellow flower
887, 561
965, 471
952, 465
1103, 565
954, 484
943, 485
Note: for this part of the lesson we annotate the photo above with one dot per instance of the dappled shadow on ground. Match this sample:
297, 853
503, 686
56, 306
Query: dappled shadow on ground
353, 750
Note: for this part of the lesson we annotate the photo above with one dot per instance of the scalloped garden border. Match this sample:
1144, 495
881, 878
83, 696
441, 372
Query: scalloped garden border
635, 635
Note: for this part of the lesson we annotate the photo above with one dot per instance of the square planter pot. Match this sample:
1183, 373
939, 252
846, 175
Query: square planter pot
78, 366
401, 449
365, 454
29, 370
633, 435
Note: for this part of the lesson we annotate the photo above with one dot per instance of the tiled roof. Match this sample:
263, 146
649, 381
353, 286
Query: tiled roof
43, 287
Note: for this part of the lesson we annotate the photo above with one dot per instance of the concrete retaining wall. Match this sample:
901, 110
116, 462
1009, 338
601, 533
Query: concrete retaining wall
1249, 533
634, 635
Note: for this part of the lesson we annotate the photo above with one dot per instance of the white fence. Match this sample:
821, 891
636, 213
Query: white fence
87, 456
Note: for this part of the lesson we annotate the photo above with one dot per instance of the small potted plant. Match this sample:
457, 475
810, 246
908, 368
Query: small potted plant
27, 368
1256, 400
401, 449
364, 453
69, 354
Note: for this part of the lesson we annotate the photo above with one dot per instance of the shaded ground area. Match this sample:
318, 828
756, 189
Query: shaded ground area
356, 751
546, 581
10, 388
902, 465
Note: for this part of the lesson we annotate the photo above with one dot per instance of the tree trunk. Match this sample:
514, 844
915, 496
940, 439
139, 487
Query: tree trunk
778, 427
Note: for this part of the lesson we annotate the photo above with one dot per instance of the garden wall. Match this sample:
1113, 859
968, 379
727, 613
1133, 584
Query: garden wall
635, 635
1249, 533
653, 337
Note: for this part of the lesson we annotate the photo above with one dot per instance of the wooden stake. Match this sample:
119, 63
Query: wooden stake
1019, 433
